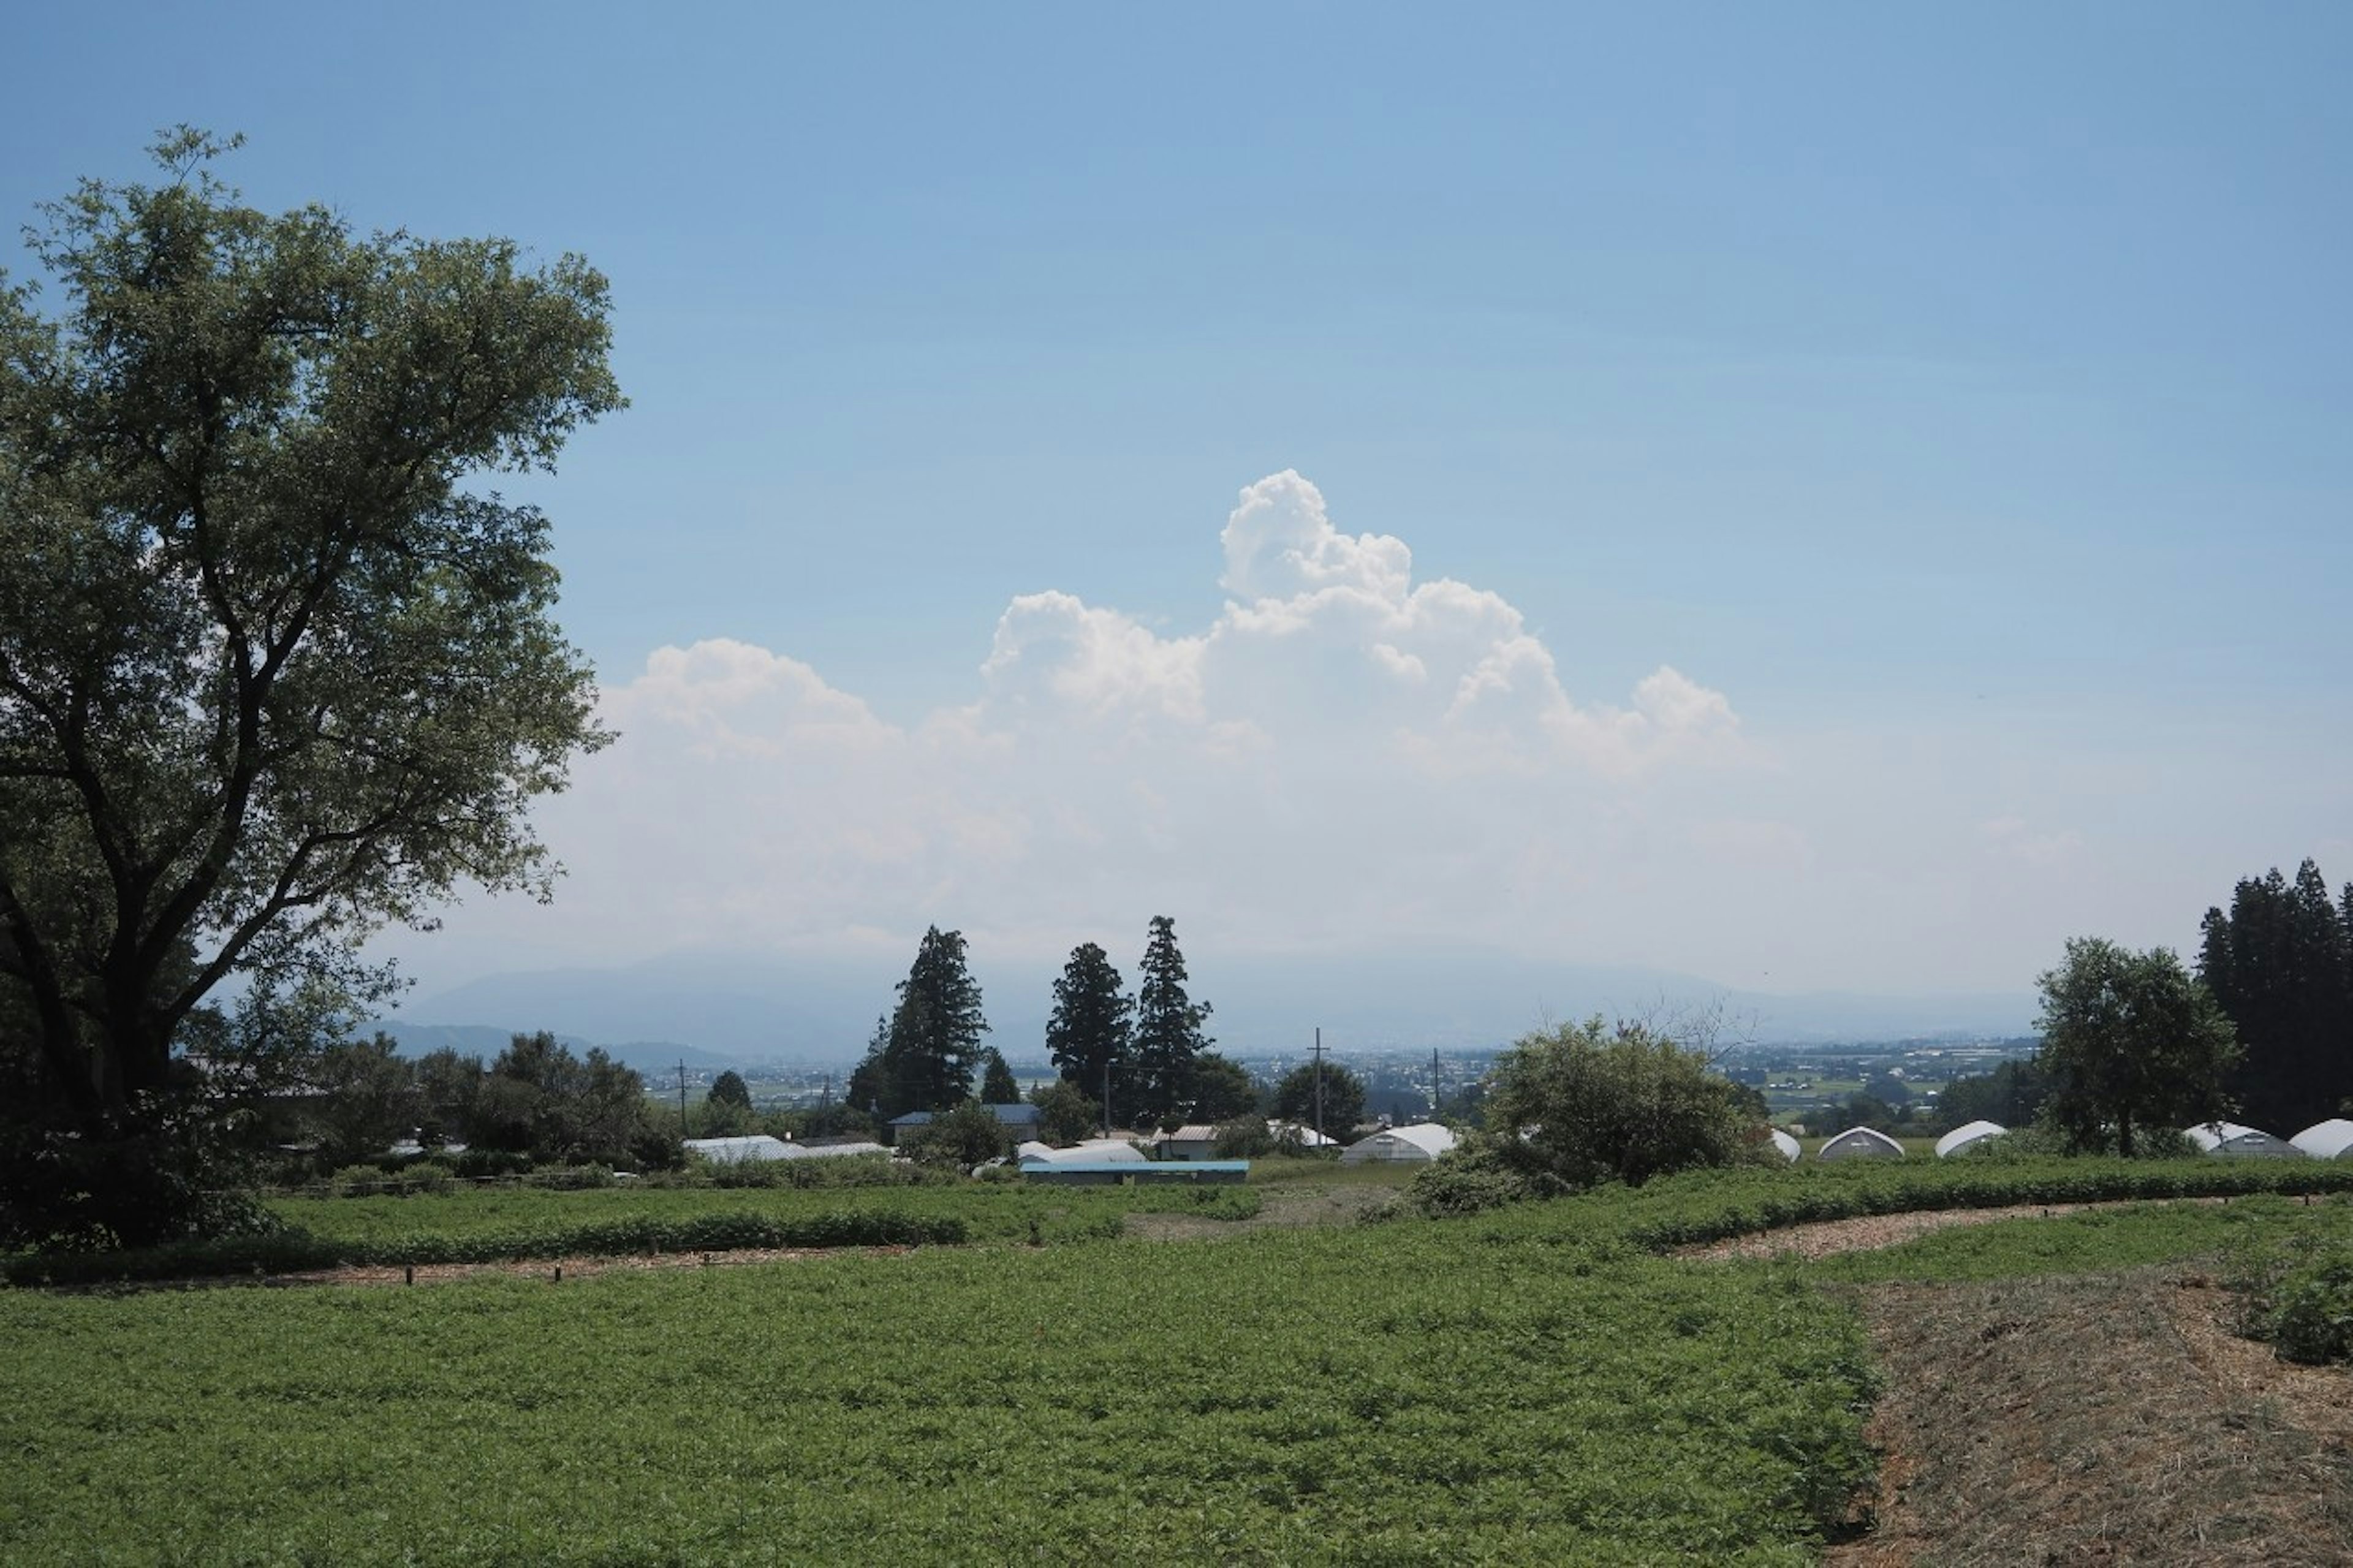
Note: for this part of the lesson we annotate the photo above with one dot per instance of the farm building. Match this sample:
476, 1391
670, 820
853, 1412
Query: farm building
1785, 1145
2230, 1139
2330, 1140
1299, 1132
1423, 1141
1195, 1140
1861, 1143
1021, 1119
1968, 1136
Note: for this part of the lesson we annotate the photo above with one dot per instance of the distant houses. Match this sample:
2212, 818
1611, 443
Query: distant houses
1020, 1118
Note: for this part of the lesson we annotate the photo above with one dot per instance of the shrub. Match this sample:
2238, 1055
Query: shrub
1592, 1105
2311, 1318
1476, 1176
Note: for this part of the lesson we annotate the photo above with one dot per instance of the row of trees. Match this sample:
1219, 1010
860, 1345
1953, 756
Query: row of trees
535, 1098
1149, 1051
2263, 1030
1154, 1046
2280, 966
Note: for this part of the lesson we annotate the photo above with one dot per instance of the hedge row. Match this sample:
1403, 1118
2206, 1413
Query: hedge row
295, 1251
1700, 1207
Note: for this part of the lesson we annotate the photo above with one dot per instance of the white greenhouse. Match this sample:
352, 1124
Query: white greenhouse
740, 1150
1093, 1152
1422, 1141
2233, 1140
1788, 1148
1861, 1143
1968, 1136
2329, 1140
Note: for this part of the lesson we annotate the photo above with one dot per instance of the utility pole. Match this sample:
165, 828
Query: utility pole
1436, 1098
1106, 1097
683, 1127
1319, 1086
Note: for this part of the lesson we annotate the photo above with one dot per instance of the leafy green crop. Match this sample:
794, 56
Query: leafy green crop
1398, 1393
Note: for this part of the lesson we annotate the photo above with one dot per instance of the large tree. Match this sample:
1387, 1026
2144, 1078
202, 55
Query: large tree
275, 666
921, 1058
2281, 964
1089, 1028
1167, 1033
2130, 1041
1338, 1107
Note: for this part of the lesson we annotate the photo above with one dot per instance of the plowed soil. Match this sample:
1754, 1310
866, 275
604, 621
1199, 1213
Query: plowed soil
2104, 1418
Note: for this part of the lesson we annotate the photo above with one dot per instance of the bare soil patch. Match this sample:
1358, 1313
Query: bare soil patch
2099, 1418
1284, 1206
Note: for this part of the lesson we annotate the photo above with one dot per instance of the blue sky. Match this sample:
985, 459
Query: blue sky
1958, 396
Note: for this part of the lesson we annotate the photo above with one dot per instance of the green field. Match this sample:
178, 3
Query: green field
1535, 1385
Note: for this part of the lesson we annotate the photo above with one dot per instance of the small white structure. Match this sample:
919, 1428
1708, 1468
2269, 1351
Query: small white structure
760, 1146
1093, 1152
1968, 1136
1861, 1143
2329, 1140
1422, 1141
740, 1150
2230, 1138
1790, 1148
1299, 1132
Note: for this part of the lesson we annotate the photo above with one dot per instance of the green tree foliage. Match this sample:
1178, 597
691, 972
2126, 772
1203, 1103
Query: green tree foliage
2130, 1042
1343, 1103
921, 1058
1167, 1028
2012, 1095
276, 667
1089, 1028
729, 1088
539, 1100
1222, 1089
996, 1082
1585, 1104
965, 1136
1065, 1114
2281, 965
365, 1099
1860, 1108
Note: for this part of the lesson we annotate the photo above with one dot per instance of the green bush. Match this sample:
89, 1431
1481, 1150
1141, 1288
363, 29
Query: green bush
1475, 1176
2311, 1318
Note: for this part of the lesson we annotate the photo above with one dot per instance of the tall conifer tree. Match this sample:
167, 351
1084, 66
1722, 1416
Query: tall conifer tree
1167, 1027
1089, 1030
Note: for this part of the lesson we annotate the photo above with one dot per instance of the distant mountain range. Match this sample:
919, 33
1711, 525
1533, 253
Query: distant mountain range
715, 1009
486, 1041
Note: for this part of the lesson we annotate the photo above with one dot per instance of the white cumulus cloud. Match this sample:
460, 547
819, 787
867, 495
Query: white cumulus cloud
1342, 752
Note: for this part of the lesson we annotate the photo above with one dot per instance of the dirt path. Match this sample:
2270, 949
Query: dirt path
2098, 1418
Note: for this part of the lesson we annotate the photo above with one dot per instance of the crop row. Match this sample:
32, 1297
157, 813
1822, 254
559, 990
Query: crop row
1398, 1394
1703, 1206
